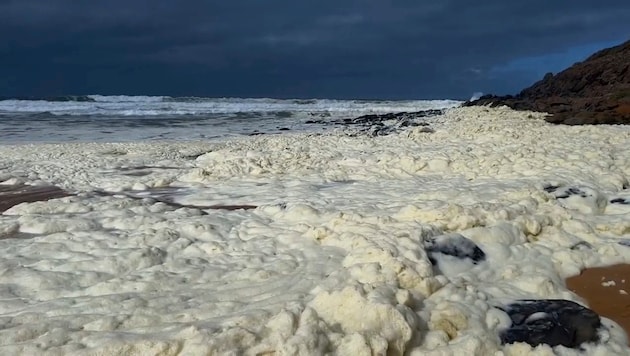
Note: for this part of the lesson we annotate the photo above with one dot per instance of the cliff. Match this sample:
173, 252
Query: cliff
595, 91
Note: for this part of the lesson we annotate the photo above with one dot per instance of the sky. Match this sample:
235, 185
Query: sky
346, 49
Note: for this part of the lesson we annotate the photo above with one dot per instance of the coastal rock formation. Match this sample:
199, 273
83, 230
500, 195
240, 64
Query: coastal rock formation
595, 91
383, 124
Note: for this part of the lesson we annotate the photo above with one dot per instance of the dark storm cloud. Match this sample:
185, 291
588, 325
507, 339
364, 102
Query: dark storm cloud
288, 48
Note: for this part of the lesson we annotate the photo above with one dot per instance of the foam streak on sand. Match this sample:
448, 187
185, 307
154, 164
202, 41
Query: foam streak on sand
332, 259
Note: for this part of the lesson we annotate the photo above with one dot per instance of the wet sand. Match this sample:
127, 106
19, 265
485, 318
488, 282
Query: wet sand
607, 291
167, 195
11, 195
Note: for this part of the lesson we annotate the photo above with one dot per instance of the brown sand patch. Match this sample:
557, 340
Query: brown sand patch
624, 109
607, 291
11, 195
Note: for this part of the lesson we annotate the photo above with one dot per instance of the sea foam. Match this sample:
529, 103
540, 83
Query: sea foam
336, 256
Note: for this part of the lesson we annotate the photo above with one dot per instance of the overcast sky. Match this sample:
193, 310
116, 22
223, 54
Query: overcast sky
297, 48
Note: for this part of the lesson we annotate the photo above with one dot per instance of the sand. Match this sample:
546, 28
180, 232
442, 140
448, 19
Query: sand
607, 291
11, 195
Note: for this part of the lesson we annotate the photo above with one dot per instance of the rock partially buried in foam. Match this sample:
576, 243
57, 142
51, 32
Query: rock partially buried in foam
454, 245
622, 201
552, 322
582, 199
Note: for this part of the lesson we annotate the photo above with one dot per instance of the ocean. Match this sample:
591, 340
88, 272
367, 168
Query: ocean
97, 118
259, 226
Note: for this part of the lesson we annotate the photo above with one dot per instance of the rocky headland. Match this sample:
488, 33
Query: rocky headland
595, 91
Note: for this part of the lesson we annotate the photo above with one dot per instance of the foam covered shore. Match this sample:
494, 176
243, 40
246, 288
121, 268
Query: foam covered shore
332, 259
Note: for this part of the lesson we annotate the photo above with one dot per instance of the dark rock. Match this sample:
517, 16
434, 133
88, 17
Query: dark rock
595, 91
383, 124
620, 201
567, 192
583, 199
551, 188
454, 245
550, 321
560, 192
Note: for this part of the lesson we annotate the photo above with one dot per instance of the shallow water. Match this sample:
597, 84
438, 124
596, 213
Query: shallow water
139, 118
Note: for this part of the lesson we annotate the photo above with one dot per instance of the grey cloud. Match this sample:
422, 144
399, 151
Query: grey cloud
286, 48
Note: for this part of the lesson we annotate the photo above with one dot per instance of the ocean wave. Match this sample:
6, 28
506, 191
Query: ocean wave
62, 98
162, 105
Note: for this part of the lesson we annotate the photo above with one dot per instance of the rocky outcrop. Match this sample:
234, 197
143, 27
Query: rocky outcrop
595, 91
382, 124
